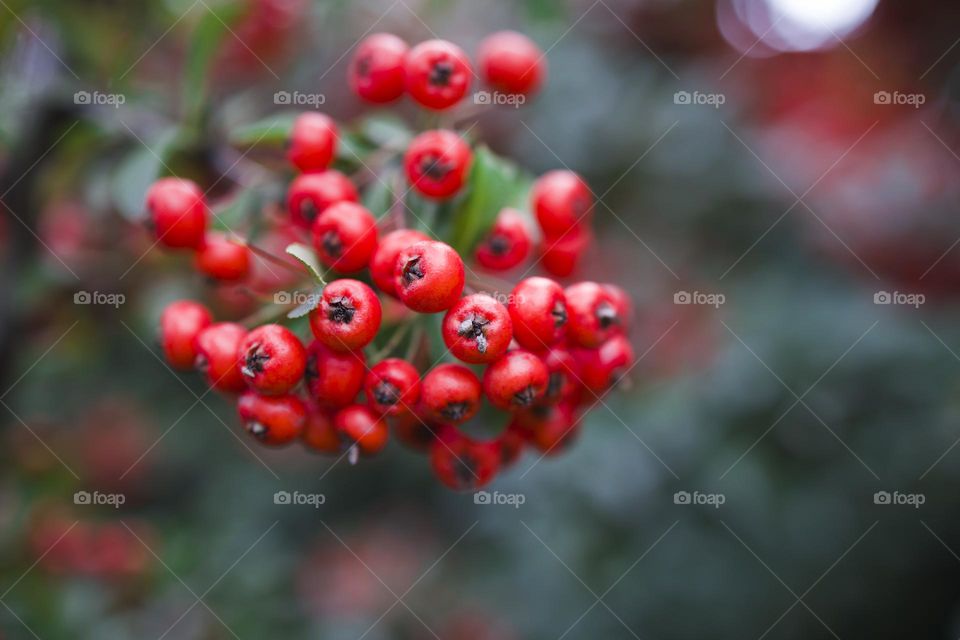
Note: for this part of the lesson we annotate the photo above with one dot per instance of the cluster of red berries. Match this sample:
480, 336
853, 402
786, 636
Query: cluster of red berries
546, 352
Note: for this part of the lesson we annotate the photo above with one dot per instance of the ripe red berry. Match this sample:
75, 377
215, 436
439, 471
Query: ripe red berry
507, 244
429, 276
564, 381
602, 368
313, 142
319, 433
392, 387
594, 314
345, 237
477, 329
451, 393
223, 258
561, 201
622, 303
218, 355
180, 323
511, 62
348, 316
512, 442
538, 309
376, 71
549, 428
518, 380
437, 163
274, 359
310, 194
438, 74
561, 256
413, 431
273, 420
334, 378
384, 260
359, 426
178, 212
462, 463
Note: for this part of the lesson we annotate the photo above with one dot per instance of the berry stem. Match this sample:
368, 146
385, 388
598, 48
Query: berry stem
275, 259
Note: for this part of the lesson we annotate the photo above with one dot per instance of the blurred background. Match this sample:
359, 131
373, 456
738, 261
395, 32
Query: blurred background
779, 183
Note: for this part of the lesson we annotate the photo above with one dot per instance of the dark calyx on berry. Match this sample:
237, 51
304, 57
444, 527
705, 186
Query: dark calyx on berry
465, 470
554, 384
455, 410
310, 372
332, 244
253, 363
525, 396
412, 270
473, 329
499, 245
440, 73
606, 315
434, 167
363, 66
257, 430
559, 314
386, 394
308, 210
342, 310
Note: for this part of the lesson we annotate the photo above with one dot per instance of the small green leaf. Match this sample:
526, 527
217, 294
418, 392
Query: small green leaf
205, 44
273, 131
305, 254
385, 131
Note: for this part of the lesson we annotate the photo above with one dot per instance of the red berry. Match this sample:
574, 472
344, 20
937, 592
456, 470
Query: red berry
413, 431
273, 420
512, 443
429, 276
549, 428
319, 433
376, 71
518, 380
178, 212
313, 142
392, 387
348, 317
223, 258
538, 309
437, 163
384, 259
359, 426
451, 393
310, 194
438, 74
601, 368
511, 62
507, 244
334, 378
594, 314
564, 381
561, 256
180, 323
477, 329
622, 303
345, 237
218, 355
461, 463
273, 359
561, 200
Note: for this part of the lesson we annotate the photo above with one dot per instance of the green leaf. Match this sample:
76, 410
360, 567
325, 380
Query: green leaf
271, 131
129, 184
494, 184
305, 254
385, 131
378, 196
205, 44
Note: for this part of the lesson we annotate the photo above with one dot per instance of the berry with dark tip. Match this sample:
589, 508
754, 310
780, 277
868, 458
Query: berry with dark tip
603, 367
313, 142
594, 314
413, 431
359, 426
438, 74
384, 260
180, 323
549, 428
178, 213
392, 387
348, 316
510, 62
345, 237
223, 258
507, 244
319, 433
332, 378
376, 71
561, 256
564, 380
561, 201
437, 163
273, 359
450, 394
462, 463
477, 329
429, 276
310, 194
538, 309
218, 357
273, 420
518, 380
